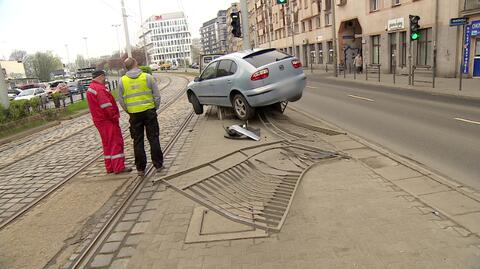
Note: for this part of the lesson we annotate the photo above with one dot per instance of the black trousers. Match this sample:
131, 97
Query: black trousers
140, 123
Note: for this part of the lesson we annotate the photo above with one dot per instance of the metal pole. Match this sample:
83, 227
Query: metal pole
290, 8
410, 63
68, 55
245, 25
125, 27
3, 90
270, 23
463, 58
118, 40
147, 62
434, 73
334, 30
86, 49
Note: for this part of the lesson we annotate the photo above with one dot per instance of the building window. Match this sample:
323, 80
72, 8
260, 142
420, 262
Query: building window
374, 5
328, 19
320, 53
310, 25
303, 27
395, 2
375, 49
330, 52
424, 48
403, 49
318, 21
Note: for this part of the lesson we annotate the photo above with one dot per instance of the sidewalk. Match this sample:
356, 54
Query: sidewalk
347, 213
443, 86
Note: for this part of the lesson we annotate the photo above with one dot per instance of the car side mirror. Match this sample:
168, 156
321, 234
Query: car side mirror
196, 79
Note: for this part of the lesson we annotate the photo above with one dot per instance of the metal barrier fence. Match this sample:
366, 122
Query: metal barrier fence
372, 69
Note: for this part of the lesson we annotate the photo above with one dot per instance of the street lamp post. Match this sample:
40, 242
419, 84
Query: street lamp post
334, 29
245, 26
86, 50
147, 62
125, 27
118, 40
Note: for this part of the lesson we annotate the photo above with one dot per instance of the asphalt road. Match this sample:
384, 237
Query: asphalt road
441, 133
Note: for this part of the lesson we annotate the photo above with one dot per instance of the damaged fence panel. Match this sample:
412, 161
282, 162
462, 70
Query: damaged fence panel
254, 186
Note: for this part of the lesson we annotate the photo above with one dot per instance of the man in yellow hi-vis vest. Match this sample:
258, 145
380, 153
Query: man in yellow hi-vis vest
140, 98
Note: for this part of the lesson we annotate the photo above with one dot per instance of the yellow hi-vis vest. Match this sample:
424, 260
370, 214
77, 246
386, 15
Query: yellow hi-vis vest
136, 94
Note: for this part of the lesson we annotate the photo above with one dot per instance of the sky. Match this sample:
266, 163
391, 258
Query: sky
61, 25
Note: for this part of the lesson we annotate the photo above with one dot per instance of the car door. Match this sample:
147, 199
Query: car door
204, 87
223, 82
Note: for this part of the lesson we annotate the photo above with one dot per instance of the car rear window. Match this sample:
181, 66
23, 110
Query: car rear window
264, 57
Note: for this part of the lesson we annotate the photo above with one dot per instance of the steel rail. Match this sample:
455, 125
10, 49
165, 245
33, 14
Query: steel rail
25, 209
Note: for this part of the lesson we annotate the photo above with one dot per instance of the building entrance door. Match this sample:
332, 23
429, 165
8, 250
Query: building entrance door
392, 40
476, 59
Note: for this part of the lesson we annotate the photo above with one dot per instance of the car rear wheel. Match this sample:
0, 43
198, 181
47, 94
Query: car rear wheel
241, 107
197, 107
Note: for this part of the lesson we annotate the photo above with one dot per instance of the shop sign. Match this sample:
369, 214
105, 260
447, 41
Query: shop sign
396, 24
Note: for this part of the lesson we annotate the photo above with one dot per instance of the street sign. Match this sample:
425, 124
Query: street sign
458, 21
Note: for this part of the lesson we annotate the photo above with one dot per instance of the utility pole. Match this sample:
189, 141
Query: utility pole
268, 8
290, 9
334, 32
4, 102
125, 27
245, 26
118, 40
147, 62
86, 50
68, 54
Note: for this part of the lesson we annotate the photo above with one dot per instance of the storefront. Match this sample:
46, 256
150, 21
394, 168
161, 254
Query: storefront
472, 49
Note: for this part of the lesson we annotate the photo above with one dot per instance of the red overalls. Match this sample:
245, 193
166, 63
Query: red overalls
105, 115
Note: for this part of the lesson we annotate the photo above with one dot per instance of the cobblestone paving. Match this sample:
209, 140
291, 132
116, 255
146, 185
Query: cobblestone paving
44, 160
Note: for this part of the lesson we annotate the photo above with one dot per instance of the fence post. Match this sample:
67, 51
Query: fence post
413, 75
379, 73
355, 73
344, 71
366, 71
326, 68
71, 98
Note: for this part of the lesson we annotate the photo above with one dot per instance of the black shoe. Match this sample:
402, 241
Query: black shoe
141, 173
125, 170
159, 169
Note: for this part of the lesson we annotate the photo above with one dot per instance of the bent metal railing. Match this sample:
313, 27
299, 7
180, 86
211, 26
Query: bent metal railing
254, 186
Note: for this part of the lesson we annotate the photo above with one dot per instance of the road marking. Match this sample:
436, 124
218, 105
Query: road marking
311, 87
361, 98
468, 121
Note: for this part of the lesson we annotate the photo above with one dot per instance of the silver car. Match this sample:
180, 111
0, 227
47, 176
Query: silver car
247, 80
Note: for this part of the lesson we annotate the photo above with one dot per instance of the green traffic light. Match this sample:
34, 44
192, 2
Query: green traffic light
415, 36
282, 2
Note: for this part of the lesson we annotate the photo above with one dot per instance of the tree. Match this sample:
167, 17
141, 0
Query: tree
18, 55
42, 64
80, 62
138, 54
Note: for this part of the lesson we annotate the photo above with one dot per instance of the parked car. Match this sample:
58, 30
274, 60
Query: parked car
154, 67
12, 93
52, 87
31, 93
195, 66
73, 87
165, 66
174, 67
247, 80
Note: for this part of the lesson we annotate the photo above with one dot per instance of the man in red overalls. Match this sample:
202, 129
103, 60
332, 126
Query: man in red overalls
105, 115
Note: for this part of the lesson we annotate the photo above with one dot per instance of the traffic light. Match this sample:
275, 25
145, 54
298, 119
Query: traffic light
282, 2
414, 27
236, 25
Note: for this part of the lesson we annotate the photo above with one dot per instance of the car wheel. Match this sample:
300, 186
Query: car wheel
279, 107
242, 109
197, 107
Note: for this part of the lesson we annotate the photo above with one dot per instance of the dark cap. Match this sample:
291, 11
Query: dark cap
97, 73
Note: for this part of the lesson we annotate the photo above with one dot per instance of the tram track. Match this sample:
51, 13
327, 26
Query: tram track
171, 100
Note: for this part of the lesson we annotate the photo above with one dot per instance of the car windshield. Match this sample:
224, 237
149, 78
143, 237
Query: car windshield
264, 57
27, 92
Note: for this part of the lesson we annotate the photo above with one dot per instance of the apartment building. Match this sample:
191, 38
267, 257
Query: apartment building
168, 38
378, 29
214, 34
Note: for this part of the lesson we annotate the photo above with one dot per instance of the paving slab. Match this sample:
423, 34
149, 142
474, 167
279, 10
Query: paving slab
397, 172
472, 221
452, 202
421, 185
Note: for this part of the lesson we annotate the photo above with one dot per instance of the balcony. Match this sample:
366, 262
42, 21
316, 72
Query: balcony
471, 7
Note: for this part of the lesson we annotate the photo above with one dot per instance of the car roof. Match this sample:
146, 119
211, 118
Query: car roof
242, 54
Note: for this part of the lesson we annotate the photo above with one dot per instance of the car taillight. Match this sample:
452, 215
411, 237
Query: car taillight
296, 64
260, 75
